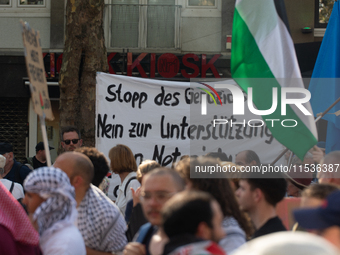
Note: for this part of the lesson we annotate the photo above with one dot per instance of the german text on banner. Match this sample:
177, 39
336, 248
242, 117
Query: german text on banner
155, 119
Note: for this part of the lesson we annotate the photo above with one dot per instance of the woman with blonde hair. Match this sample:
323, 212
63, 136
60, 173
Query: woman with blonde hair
124, 164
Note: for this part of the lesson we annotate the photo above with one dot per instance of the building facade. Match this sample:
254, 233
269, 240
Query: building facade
160, 39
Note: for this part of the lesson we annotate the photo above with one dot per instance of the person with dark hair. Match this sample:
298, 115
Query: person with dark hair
219, 155
39, 160
190, 231
157, 187
99, 219
70, 138
258, 197
247, 158
13, 170
235, 224
123, 163
99, 161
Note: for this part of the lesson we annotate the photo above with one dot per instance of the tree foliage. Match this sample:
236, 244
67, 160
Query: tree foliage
325, 10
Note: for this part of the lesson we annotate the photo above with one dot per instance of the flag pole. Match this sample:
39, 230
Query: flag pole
316, 120
327, 110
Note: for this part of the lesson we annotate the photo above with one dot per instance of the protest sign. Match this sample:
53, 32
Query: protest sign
36, 71
155, 119
38, 85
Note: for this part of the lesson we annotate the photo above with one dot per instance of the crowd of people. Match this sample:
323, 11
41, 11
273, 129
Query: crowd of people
65, 208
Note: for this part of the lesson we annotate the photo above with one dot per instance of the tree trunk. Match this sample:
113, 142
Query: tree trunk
77, 80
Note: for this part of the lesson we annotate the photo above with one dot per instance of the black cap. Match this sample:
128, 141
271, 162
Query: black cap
5, 147
40, 146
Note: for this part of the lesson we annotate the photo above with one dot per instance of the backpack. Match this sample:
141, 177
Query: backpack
127, 184
125, 190
20, 199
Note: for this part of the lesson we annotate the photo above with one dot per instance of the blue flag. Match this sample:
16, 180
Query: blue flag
326, 91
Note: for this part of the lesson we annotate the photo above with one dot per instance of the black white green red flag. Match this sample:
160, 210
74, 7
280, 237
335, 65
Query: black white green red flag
262, 48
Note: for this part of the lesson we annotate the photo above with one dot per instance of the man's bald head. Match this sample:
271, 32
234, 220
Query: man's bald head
332, 158
75, 163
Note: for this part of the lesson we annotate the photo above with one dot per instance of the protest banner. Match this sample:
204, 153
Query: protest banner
36, 71
38, 85
153, 118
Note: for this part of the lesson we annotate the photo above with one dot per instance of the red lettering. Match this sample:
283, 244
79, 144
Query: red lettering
168, 65
190, 65
205, 67
59, 62
111, 70
136, 63
152, 65
52, 64
44, 55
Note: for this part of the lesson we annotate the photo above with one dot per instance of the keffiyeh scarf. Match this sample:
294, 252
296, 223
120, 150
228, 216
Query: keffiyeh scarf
59, 208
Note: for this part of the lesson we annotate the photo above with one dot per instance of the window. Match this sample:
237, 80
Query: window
323, 10
31, 2
16, 8
5, 2
144, 24
201, 2
202, 8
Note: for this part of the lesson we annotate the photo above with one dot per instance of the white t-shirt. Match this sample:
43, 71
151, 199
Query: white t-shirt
65, 241
114, 182
17, 192
121, 198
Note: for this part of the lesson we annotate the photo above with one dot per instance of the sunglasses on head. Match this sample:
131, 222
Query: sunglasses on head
74, 141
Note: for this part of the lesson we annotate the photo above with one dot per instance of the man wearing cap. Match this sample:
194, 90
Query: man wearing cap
13, 170
324, 220
39, 160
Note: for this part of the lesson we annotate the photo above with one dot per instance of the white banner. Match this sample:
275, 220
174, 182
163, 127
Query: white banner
153, 117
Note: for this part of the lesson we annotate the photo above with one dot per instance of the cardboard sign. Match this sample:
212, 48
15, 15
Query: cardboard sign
36, 71
156, 120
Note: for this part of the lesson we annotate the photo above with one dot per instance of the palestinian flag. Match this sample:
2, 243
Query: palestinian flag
262, 48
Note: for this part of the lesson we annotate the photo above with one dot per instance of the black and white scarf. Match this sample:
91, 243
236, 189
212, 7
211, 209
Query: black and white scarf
59, 208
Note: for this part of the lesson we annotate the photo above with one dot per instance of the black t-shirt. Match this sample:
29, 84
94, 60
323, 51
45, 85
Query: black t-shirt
271, 226
37, 163
18, 173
